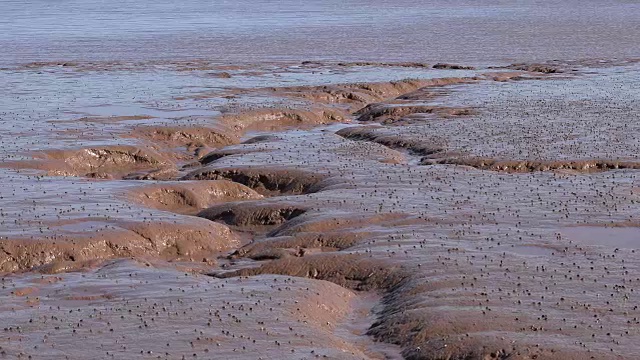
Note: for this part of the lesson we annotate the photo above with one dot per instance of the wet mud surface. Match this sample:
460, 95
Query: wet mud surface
132, 309
420, 212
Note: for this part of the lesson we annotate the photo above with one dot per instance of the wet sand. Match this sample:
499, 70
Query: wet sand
301, 216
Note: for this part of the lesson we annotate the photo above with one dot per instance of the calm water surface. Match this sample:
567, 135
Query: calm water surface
486, 31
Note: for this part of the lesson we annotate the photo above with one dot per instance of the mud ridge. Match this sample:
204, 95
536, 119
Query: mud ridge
299, 245
419, 65
392, 112
539, 68
525, 166
384, 64
162, 174
192, 241
281, 119
448, 66
347, 270
434, 336
312, 232
191, 137
97, 162
415, 147
298, 232
354, 96
191, 197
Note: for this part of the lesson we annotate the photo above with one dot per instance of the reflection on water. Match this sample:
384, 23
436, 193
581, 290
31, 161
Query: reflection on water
258, 30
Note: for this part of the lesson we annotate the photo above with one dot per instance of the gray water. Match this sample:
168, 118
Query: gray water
487, 31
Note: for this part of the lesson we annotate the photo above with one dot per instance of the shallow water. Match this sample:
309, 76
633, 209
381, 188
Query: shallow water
245, 31
618, 237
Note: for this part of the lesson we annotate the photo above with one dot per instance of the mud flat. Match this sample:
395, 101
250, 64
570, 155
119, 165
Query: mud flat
126, 309
454, 216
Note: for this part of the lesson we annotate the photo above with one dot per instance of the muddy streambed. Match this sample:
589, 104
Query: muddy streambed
309, 210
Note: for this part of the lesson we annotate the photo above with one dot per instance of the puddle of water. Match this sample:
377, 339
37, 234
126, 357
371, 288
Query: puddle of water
622, 237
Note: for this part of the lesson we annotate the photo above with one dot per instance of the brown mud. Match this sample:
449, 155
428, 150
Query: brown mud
97, 162
191, 137
277, 119
193, 240
357, 95
350, 271
191, 197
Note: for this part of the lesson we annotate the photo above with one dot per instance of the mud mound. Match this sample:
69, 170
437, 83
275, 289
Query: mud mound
316, 64
347, 270
392, 112
384, 64
311, 233
266, 181
377, 111
524, 166
299, 245
186, 136
423, 94
191, 197
452, 66
185, 241
109, 161
277, 120
354, 96
430, 337
510, 76
382, 91
539, 68
367, 133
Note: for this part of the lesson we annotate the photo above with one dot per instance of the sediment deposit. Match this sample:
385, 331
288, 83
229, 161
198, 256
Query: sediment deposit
435, 218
